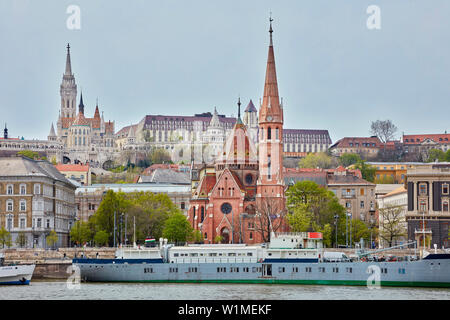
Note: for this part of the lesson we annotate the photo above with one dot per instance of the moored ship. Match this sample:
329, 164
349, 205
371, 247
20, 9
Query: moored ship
289, 258
15, 274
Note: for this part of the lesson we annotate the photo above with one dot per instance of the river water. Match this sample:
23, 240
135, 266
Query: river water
60, 290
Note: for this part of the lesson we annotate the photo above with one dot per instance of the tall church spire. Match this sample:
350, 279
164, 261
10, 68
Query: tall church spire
270, 110
81, 105
68, 90
68, 63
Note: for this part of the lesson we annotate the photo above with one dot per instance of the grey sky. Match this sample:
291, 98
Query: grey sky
181, 57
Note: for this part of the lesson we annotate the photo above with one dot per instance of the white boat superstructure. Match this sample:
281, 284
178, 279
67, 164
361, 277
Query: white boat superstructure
15, 274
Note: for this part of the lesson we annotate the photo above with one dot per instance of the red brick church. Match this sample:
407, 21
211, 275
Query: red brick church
233, 197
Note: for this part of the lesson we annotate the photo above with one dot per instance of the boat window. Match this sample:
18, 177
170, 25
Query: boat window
213, 254
231, 254
194, 254
281, 269
175, 254
249, 254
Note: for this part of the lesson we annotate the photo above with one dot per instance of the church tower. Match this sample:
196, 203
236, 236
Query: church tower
270, 184
68, 90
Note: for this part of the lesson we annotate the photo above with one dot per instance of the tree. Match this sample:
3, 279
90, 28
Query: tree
438, 155
392, 223
385, 180
383, 129
112, 203
177, 228
159, 155
52, 238
101, 238
313, 208
5, 238
347, 159
81, 232
367, 171
29, 154
21, 239
270, 214
318, 160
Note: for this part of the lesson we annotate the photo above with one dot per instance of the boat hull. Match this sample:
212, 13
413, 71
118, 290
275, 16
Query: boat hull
16, 275
423, 273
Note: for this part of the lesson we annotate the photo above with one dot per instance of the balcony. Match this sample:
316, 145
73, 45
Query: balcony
422, 231
348, 195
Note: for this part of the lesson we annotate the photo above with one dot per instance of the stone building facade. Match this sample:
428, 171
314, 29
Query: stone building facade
35, 199
428, 214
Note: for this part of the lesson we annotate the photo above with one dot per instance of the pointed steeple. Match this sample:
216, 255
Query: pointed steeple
81, 105
68, 63
215, 122
97, 113
239, 121
52, 131
270, 107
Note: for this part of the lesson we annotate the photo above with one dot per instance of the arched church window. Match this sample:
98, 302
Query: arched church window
202, 216
269, 133
277, 133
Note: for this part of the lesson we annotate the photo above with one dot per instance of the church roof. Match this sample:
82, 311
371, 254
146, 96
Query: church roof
52, 131
250, 107
80, 120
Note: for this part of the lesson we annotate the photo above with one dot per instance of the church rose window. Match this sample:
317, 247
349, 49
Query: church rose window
225, 208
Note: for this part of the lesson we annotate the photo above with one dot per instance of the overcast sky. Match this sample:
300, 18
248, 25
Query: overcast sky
179, 57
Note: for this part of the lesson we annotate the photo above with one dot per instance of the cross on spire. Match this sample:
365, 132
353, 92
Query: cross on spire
270, 29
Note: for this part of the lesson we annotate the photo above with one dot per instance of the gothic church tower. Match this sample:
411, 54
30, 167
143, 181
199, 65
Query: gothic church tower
270, 184
68, 90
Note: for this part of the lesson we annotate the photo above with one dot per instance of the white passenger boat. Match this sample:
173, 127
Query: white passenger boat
15, 274
289, 258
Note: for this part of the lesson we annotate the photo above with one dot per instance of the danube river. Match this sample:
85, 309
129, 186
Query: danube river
60, 290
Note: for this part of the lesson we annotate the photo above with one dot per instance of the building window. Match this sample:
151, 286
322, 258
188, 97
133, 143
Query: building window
445, 206
423, 206
9, 205
37, 189
23, 189
9, 189
10, 222
277, 133
361, 204
445, 188
22, 223
362, 192
422, 189
182, 205
23, 205
269, 133
39, 223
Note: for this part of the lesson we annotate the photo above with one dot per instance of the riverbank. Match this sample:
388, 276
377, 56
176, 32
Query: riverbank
54, 264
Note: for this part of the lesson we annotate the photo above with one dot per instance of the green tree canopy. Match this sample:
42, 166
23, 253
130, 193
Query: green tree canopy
367, 171
318, 160
101, 238
80, 232
159, 155
149, 210
313, 208
5, 238
29, 154
438, 155
52, 238
21, 239
347, 159
177, 228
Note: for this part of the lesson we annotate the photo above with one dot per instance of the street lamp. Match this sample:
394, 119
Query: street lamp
350, 217
336, 217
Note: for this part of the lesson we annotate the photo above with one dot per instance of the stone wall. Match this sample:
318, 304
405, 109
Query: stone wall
42, 256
